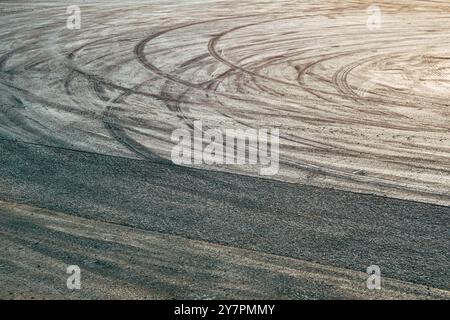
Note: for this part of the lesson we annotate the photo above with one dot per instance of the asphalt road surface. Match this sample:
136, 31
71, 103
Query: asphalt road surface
85, 171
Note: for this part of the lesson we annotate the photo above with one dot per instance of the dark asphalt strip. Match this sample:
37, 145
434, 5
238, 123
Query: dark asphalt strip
408, 240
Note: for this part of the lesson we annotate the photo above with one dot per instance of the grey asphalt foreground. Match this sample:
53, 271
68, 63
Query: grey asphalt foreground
348, 231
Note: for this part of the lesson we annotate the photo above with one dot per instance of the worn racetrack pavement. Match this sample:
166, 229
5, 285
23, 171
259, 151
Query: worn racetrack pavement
85, 175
